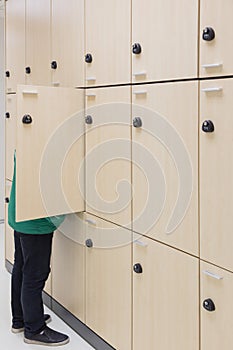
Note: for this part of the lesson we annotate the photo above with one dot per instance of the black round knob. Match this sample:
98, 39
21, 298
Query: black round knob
28, 70
208, 34
208, 126
54, 65
208, 304
7, 200
137, 268
7, 115
7, 73
89, 243
88, 119
27, 119
137, 49
137, 122
88, 58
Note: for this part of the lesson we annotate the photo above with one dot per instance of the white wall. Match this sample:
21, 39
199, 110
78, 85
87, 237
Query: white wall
2, 109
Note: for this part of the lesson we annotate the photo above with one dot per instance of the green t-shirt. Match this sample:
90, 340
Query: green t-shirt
37, 226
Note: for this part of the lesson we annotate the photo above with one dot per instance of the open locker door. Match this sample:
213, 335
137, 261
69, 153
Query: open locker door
49, 152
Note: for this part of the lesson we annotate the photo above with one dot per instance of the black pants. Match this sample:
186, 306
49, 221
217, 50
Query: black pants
30, 272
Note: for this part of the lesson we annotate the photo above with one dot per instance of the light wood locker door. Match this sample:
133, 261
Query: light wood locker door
165, 159
10, 134
165, 297
49, 152
9, 233
108, 281
216, 172
67, 61
68, 266
38, 42
108, 154
108, 31
216, 28
216, 308
164, 40
15, 44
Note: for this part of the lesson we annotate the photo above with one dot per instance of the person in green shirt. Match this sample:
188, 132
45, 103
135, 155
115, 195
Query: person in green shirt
33, 245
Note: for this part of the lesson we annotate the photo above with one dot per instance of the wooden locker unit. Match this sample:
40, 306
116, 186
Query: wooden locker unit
216, 172
50, 151
216, 292
164, 39
38, 42
216, 28
165, 161
108, 154
108, 281
107, 44
10, 134
68, 266
165, 297
15, 44
67, 61
9, 234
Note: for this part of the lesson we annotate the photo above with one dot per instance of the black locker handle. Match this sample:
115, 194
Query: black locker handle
27, 119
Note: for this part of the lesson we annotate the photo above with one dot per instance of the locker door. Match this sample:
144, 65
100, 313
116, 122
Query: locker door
15, 44
165, 297
108, 281
216, 172
165, 40
108, 154
50, 150
107, 42
216, 27
9, 234
165, 159
216, 325
67, 43
68, 266
10, 134
38, 43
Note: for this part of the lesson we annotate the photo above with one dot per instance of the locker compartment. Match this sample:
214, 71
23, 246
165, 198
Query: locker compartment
38, 42
165, 297
108, 31
108, 154
50, 151
68, 265
9, 234
216, 172
164, 40
165, 161
108, 281
15, 44
216, 307
10, 134
67, 63
216, 29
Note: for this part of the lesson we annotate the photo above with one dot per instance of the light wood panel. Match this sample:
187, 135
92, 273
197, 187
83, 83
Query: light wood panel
168, 35
68, 43
15, 43
165, 298
216, 172
216, 56
50, 152
108, 41
165, 161
216, 326
10, 135
108, 282
9, 233
108, 154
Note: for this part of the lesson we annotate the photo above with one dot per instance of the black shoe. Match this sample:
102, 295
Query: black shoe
48, 337
15, 330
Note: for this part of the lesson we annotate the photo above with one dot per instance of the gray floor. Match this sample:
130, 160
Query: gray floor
11, 341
